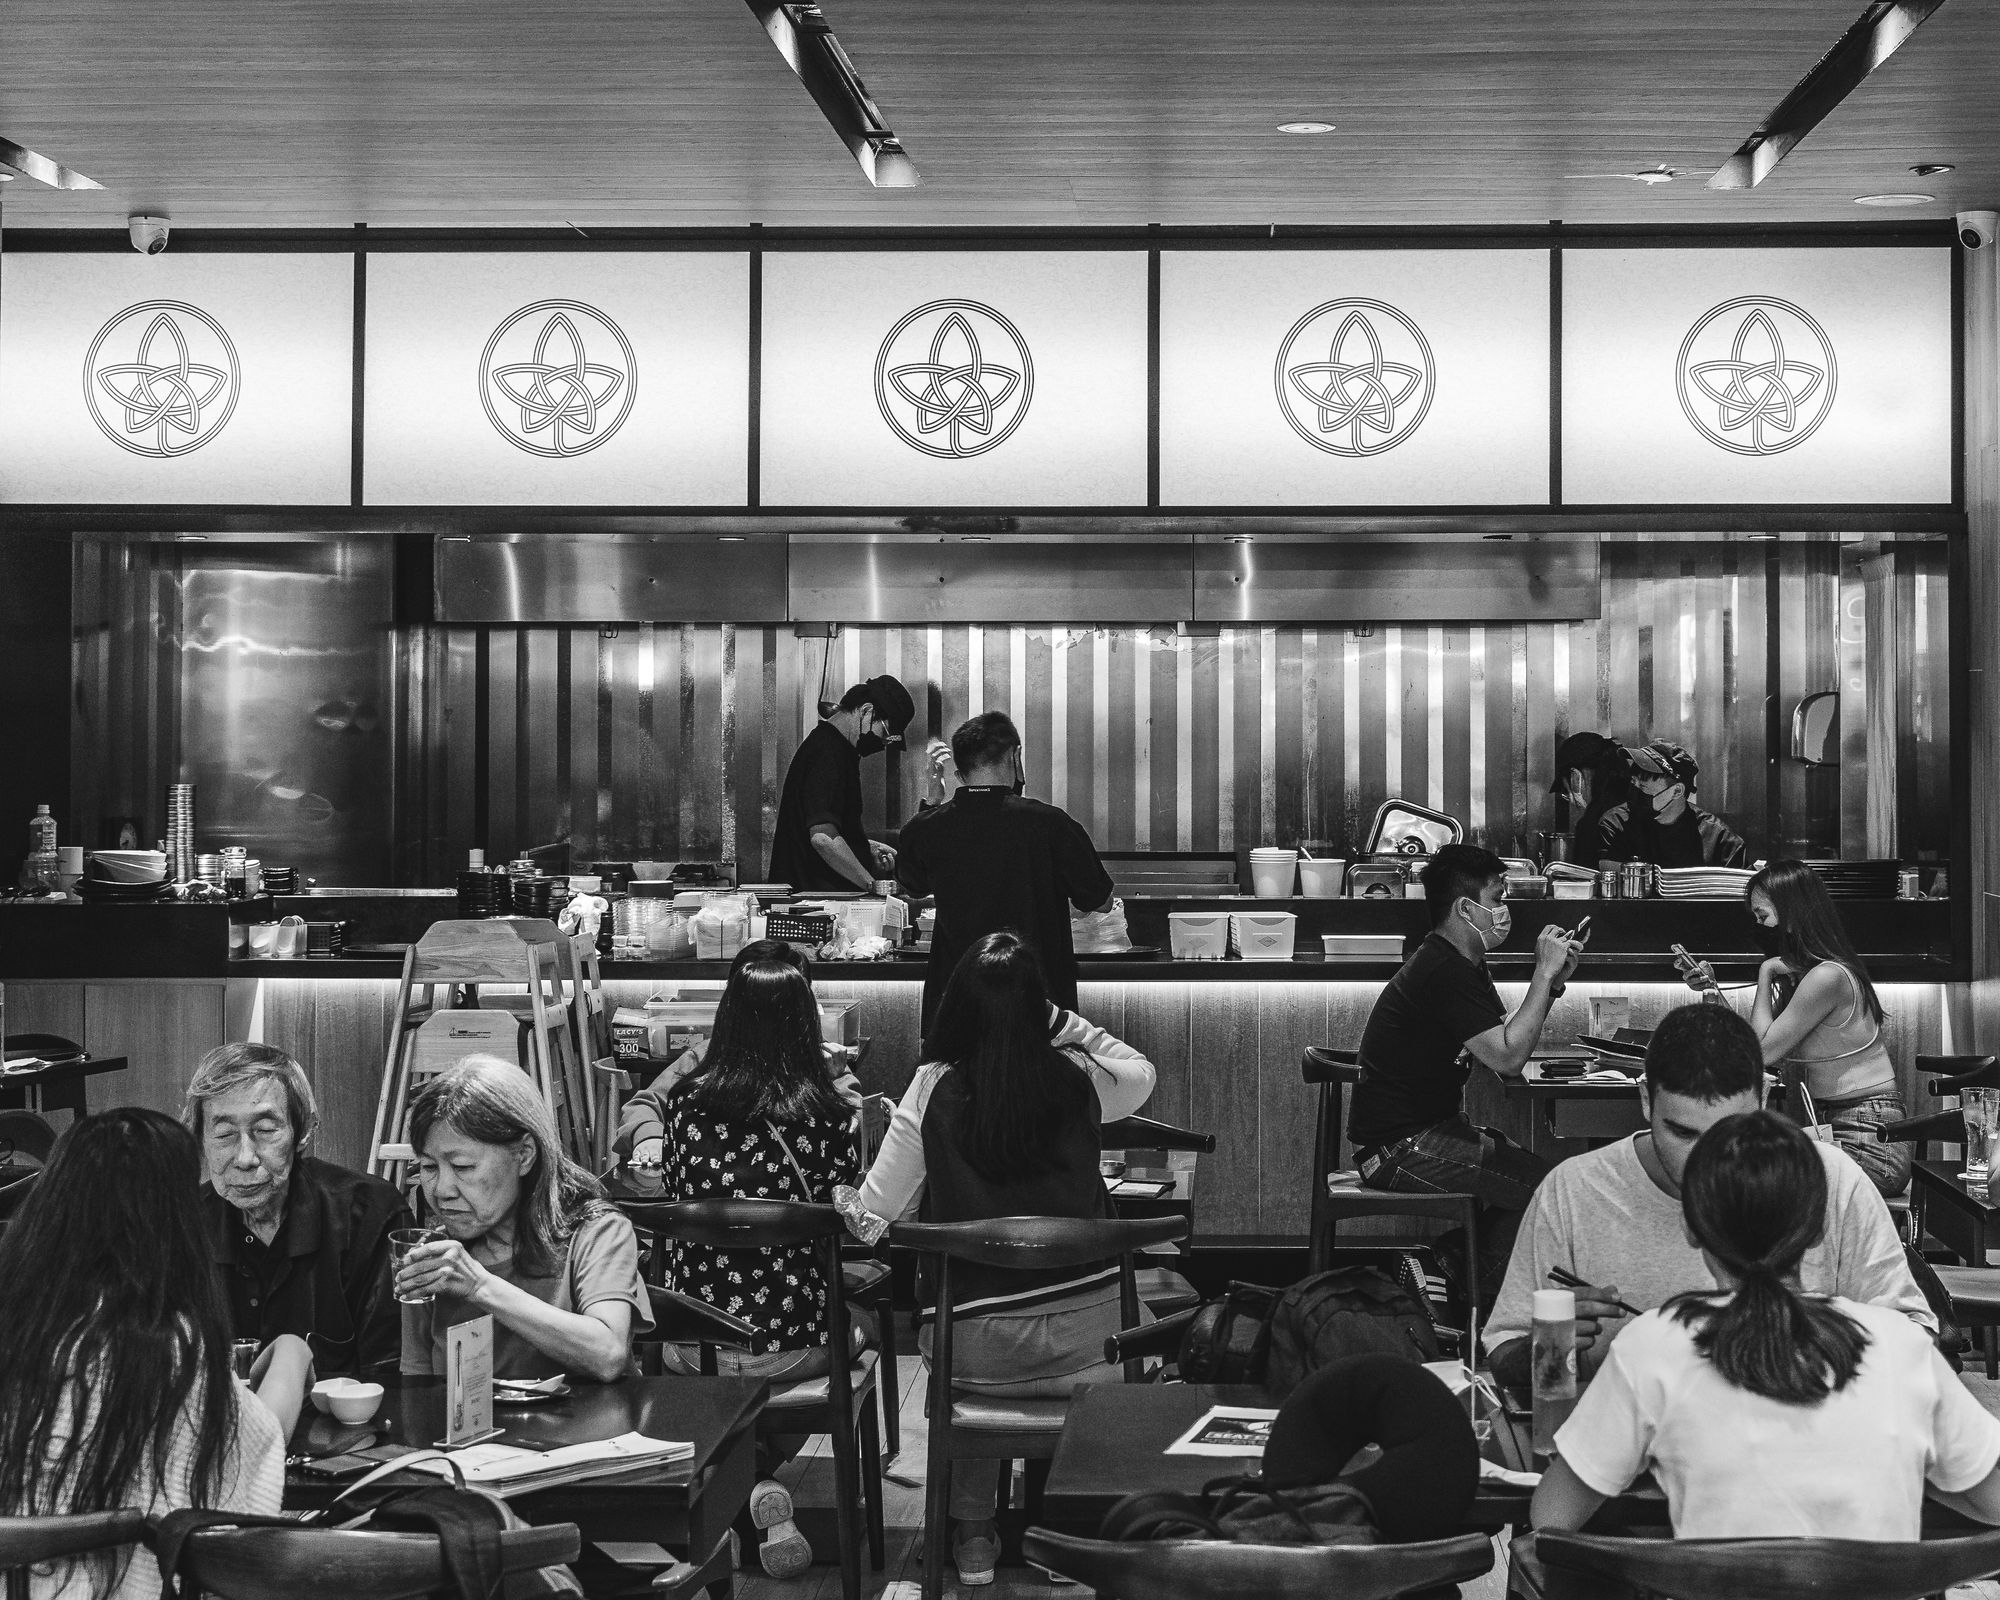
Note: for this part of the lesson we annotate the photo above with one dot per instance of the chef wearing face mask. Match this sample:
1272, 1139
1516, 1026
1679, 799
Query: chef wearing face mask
1591, 777
996, 859
1437, 1016
1660, 822
817, 842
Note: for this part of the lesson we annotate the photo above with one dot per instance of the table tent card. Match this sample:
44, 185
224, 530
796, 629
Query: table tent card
179, 379
468, 1383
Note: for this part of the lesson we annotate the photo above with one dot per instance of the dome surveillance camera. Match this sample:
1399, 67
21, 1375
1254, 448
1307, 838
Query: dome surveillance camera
1977, 228
149, 234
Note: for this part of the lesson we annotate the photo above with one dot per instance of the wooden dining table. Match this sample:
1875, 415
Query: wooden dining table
60, 1086
686, 1507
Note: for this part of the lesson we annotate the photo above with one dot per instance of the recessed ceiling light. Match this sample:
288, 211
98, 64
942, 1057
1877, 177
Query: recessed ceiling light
1895, 199
1930, 169
1305, 127
729, 538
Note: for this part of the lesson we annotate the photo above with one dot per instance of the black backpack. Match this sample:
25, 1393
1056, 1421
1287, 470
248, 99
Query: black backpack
1280, 1337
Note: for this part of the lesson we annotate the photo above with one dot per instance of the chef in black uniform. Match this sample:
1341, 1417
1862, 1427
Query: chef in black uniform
1660, 823
818, 842
996, 859
1592, 776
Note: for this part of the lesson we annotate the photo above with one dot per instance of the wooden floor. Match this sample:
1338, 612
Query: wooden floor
811, 1481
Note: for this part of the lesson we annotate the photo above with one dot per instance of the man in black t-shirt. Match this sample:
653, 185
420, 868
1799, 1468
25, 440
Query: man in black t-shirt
996, 859
1437, 1015
1660, 823
817, 842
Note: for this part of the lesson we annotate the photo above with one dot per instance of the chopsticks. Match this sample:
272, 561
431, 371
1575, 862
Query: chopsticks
1569, 1280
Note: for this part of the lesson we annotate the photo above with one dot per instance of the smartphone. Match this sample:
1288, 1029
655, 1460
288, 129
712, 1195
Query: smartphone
347, 1466
1681, 951
1582, 934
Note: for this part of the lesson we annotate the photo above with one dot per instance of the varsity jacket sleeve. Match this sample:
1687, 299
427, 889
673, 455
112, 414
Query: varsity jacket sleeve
1124, 1079
895, 1183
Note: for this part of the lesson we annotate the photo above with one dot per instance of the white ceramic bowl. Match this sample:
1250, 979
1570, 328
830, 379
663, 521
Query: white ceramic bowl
131, 866
347, 1400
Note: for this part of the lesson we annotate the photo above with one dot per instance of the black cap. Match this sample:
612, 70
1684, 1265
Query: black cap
892, 703
1583, 752
1665, 759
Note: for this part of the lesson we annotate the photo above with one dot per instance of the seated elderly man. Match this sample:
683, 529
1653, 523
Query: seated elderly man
302, 1245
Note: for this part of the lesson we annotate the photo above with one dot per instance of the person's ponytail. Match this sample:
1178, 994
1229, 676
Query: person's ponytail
1754, 1195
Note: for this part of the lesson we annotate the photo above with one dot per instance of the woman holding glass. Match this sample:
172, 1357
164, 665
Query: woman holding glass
528, 1236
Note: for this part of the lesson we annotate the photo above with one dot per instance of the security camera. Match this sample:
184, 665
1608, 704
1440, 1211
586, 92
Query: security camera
1976, 229
149, 234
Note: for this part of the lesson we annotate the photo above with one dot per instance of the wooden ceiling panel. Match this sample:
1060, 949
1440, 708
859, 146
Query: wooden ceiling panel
301, 113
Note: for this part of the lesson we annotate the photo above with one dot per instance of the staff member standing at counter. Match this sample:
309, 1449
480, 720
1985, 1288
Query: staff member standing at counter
818, 842
1660, 823
1591, 776
1436, 1016
996, 859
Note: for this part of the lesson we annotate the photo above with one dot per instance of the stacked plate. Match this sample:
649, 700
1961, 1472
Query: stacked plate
129, 866
1857, 880
1703, 883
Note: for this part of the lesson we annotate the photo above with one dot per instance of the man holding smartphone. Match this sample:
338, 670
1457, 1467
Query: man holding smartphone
1436, 1017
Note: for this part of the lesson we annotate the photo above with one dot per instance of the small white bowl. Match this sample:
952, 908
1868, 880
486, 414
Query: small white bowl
355, 1403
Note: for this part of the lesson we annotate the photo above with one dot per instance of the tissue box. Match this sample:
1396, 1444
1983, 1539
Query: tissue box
1263, 935
1198, 935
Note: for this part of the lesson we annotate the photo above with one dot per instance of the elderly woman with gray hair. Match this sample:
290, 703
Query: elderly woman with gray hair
301, 1245
530, 1239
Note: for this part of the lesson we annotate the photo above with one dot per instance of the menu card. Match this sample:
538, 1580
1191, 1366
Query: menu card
1227, 1431
468, 1383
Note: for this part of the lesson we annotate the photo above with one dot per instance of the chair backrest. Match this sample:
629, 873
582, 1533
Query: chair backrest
28, 1132
736, 1224
1947, 1125
318, 1564
1334, 1071
1209, 1569
27, 1540
1143, 1133
1960, 1072
1764, 1569
1032, 1242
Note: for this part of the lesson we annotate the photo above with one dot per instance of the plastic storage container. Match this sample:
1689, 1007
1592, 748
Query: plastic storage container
1370, 947
1198, 935
1263, 935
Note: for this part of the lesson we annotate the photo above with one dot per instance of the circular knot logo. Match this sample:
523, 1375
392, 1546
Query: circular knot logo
954, 378
1756, 375
161, 378
558, 378
1365, 380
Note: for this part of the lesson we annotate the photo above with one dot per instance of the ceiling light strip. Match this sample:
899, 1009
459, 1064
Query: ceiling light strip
1878, 34
39, 167
805, 39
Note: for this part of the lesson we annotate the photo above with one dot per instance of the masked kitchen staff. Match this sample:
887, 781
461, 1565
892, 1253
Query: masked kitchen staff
996, 859
818, 843
1660, 823
1591, 777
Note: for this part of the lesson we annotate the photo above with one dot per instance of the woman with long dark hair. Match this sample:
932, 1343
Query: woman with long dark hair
1003, 1122
1763, 1411
760, 1118
1819, 1019
115, 1381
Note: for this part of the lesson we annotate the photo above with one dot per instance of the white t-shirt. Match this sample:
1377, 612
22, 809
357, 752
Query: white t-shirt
1735, 1465
1601, 1217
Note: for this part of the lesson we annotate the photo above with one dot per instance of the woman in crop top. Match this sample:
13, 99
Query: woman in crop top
1817, 1013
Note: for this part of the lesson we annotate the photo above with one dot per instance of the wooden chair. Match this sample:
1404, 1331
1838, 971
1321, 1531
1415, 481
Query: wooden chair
25, 1541
1211, 1569
26, 1133
841, 1404
1338, 1193
1165, 1292
966, 1426
1583, 1566
871, 1278
1951, 1074
319, 1564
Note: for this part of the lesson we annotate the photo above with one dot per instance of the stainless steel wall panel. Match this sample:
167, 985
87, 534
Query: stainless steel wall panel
1286, 579
600, 577
926, 580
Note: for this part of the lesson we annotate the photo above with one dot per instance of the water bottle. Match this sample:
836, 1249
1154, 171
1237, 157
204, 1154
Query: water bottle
41, 870
1552, 1359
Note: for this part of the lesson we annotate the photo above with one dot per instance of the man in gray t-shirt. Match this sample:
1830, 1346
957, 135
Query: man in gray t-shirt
1613, 1217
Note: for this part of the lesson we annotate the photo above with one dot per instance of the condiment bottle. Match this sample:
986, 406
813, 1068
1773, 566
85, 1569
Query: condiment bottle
1552, 1363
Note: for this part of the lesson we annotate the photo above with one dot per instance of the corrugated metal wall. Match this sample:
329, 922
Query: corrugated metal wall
664, 742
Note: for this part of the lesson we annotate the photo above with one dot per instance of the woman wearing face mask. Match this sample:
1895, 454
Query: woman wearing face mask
1817, 1015
1660, 823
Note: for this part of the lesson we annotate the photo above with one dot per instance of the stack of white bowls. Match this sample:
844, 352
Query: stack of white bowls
131, 866
1273, 872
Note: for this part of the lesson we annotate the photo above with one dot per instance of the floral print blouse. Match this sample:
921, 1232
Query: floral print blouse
781, 1292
